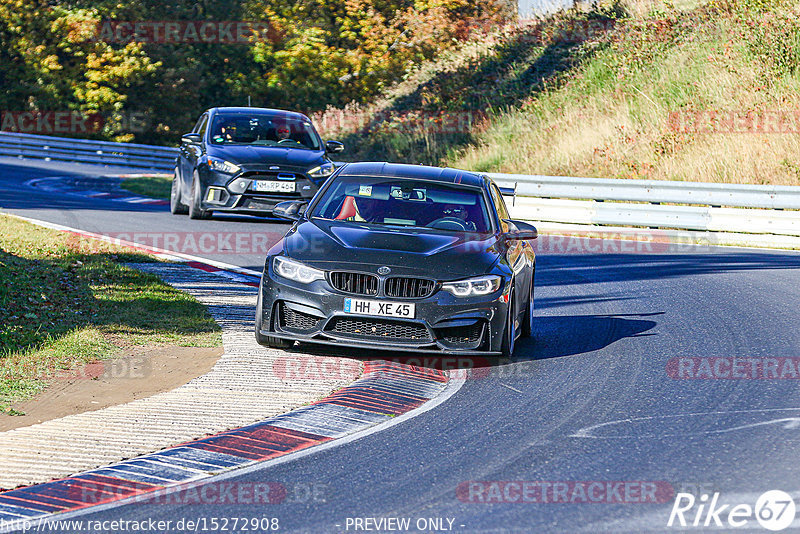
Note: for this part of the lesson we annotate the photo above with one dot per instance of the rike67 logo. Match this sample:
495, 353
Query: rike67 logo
773, 510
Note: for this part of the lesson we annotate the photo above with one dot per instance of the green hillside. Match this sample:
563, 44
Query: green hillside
700, 91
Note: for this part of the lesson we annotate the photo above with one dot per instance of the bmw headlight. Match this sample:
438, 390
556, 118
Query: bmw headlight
220, 165
472, 287
321, 171
294, 270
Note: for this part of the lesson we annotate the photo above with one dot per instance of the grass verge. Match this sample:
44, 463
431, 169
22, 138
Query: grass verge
692, 90
155, 186
66, 301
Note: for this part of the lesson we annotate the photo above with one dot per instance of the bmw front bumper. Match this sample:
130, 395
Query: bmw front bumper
442, 323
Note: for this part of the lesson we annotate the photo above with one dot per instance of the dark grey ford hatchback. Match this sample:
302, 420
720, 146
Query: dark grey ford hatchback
247, 160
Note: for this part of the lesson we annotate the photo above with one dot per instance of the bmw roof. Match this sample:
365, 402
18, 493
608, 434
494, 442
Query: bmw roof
424, 172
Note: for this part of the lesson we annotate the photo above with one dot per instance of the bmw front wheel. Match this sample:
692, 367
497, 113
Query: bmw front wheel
510, 334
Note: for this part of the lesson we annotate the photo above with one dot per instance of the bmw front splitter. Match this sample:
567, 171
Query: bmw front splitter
394, 347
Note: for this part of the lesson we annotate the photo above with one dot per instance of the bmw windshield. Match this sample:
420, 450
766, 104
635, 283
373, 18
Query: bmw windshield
263, 129
393, 201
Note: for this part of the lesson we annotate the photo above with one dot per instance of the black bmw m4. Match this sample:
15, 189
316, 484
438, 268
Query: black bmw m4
400, 257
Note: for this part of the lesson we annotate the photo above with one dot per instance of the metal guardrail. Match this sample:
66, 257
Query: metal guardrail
654, 191
749, 209
85, 151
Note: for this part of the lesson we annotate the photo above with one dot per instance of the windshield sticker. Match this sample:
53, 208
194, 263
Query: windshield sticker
365, 190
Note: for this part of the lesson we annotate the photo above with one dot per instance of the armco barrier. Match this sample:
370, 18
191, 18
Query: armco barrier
85, 151
746, 209
658, 191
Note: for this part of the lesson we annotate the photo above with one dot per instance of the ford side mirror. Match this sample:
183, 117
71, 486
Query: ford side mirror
192, 138
334, 147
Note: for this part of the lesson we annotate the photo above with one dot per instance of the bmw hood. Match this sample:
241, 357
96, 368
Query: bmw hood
243, 154
333, 245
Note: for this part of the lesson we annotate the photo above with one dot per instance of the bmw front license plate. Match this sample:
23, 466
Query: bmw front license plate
270, 186
382, 308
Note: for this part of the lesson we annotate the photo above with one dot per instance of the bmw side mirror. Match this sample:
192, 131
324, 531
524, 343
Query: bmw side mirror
191, 138
520, 231
292, 210
334, 147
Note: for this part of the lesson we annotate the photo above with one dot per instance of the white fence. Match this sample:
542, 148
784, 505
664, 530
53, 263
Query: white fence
748, 209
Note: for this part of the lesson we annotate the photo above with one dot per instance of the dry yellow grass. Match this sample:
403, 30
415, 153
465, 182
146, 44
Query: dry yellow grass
616, 103
622, 129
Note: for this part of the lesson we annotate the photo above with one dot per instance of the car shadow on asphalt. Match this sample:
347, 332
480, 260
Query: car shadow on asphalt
553, 337
558, 269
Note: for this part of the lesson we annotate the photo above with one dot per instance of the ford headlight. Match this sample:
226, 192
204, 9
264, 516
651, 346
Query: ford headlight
321, 171
220, 165
472, 287
294, 270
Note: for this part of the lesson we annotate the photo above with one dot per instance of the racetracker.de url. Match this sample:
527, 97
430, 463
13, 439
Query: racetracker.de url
197, 524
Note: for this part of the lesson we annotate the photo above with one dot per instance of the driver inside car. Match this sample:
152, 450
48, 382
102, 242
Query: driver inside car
227, 133
283, 133
457, 211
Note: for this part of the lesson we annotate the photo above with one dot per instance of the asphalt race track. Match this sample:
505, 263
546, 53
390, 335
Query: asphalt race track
595, 396
95, 215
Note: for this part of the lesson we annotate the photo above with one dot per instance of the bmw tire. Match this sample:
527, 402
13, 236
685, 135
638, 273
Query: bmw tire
268, 341
510, 330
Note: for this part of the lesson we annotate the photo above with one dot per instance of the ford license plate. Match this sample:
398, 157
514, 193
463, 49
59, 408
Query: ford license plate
269, 186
